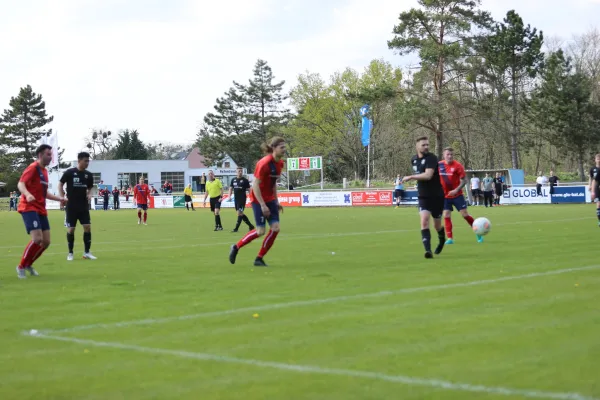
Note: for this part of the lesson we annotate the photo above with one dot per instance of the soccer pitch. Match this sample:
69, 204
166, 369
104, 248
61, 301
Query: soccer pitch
347, 309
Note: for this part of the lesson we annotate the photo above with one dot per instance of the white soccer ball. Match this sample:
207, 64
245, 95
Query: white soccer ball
482, 226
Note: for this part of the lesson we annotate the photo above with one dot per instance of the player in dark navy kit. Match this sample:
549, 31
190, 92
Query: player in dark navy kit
33, 186
431, 194
595, 185
79, 183
239, 186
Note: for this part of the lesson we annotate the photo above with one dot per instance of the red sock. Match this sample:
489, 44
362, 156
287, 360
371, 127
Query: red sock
29, 254
250, 236
267, 243
145, 216
139, 215
469, 220
448, 225
38, 254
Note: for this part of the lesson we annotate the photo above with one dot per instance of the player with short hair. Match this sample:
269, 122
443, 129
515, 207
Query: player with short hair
141, 195
239, 186
33, 186
187, 197
595, 185
214, 189
431, 194
79, 183
265, 205
453, 179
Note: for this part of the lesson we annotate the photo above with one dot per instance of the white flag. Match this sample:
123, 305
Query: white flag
53, 141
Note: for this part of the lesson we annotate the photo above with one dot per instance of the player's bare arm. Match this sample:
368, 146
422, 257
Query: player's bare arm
23, 189
463, 183
425, 176
258, 196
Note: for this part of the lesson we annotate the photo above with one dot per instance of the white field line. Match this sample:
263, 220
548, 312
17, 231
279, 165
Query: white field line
288, 236
310, 369
328, 300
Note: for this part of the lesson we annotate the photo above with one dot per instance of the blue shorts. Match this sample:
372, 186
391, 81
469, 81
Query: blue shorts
34, 221
458, 202
143, 206
260, 218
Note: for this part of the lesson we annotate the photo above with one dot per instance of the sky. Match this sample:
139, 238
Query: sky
158, 65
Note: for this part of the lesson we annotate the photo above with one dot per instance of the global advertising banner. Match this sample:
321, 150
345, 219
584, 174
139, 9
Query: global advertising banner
378, 198
525, 195
410, 197
326, 199
571, 194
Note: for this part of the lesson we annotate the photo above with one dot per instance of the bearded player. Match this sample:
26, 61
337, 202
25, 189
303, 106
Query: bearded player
454, 179
141, 193
265, 205
33, 186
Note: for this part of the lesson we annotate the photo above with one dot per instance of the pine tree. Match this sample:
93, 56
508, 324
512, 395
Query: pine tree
22, 124
244, 118
514, 51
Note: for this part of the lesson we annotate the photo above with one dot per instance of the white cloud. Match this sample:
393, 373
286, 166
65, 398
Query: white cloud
158, 66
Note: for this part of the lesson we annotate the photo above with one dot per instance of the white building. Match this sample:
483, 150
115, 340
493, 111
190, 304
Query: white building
189, 169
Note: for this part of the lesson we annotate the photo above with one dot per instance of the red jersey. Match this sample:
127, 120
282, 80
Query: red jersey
35, 178
267, 171
450, 176
141, 193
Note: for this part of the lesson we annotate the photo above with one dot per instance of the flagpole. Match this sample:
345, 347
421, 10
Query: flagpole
369, 165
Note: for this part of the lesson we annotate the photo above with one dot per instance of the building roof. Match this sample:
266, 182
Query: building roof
195, 159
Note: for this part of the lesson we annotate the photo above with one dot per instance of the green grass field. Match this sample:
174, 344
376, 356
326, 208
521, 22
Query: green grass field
163, 315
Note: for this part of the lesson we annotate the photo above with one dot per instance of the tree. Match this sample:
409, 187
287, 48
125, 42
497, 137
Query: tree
22, 124
514, 51
130, 147
564, 102
167, 151
262, 100
100, 144
440, 31
244, 118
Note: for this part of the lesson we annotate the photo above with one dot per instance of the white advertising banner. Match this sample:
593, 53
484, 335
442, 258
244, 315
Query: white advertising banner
525, 195
326, 199
163, 201
52, 205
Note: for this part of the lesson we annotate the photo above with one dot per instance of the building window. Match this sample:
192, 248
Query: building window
97, 176
226, 164
129, 179
177, 179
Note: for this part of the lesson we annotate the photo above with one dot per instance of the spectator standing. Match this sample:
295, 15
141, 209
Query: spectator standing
488, 190
475, 189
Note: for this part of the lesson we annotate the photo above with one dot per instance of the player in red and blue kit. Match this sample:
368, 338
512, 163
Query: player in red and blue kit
453, 178
265, 205
33, 186
141, 193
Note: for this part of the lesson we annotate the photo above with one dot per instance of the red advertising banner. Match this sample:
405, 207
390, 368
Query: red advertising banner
151, 202
290, 199
304, 162
383, 198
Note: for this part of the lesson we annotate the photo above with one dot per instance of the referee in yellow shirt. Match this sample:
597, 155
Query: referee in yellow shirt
187, 193
214, 189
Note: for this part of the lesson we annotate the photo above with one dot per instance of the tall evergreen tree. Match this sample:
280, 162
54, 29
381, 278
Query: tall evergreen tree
262, 100
130, 147
514, 51
441, 32
564, 103
244, 118
23, 123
